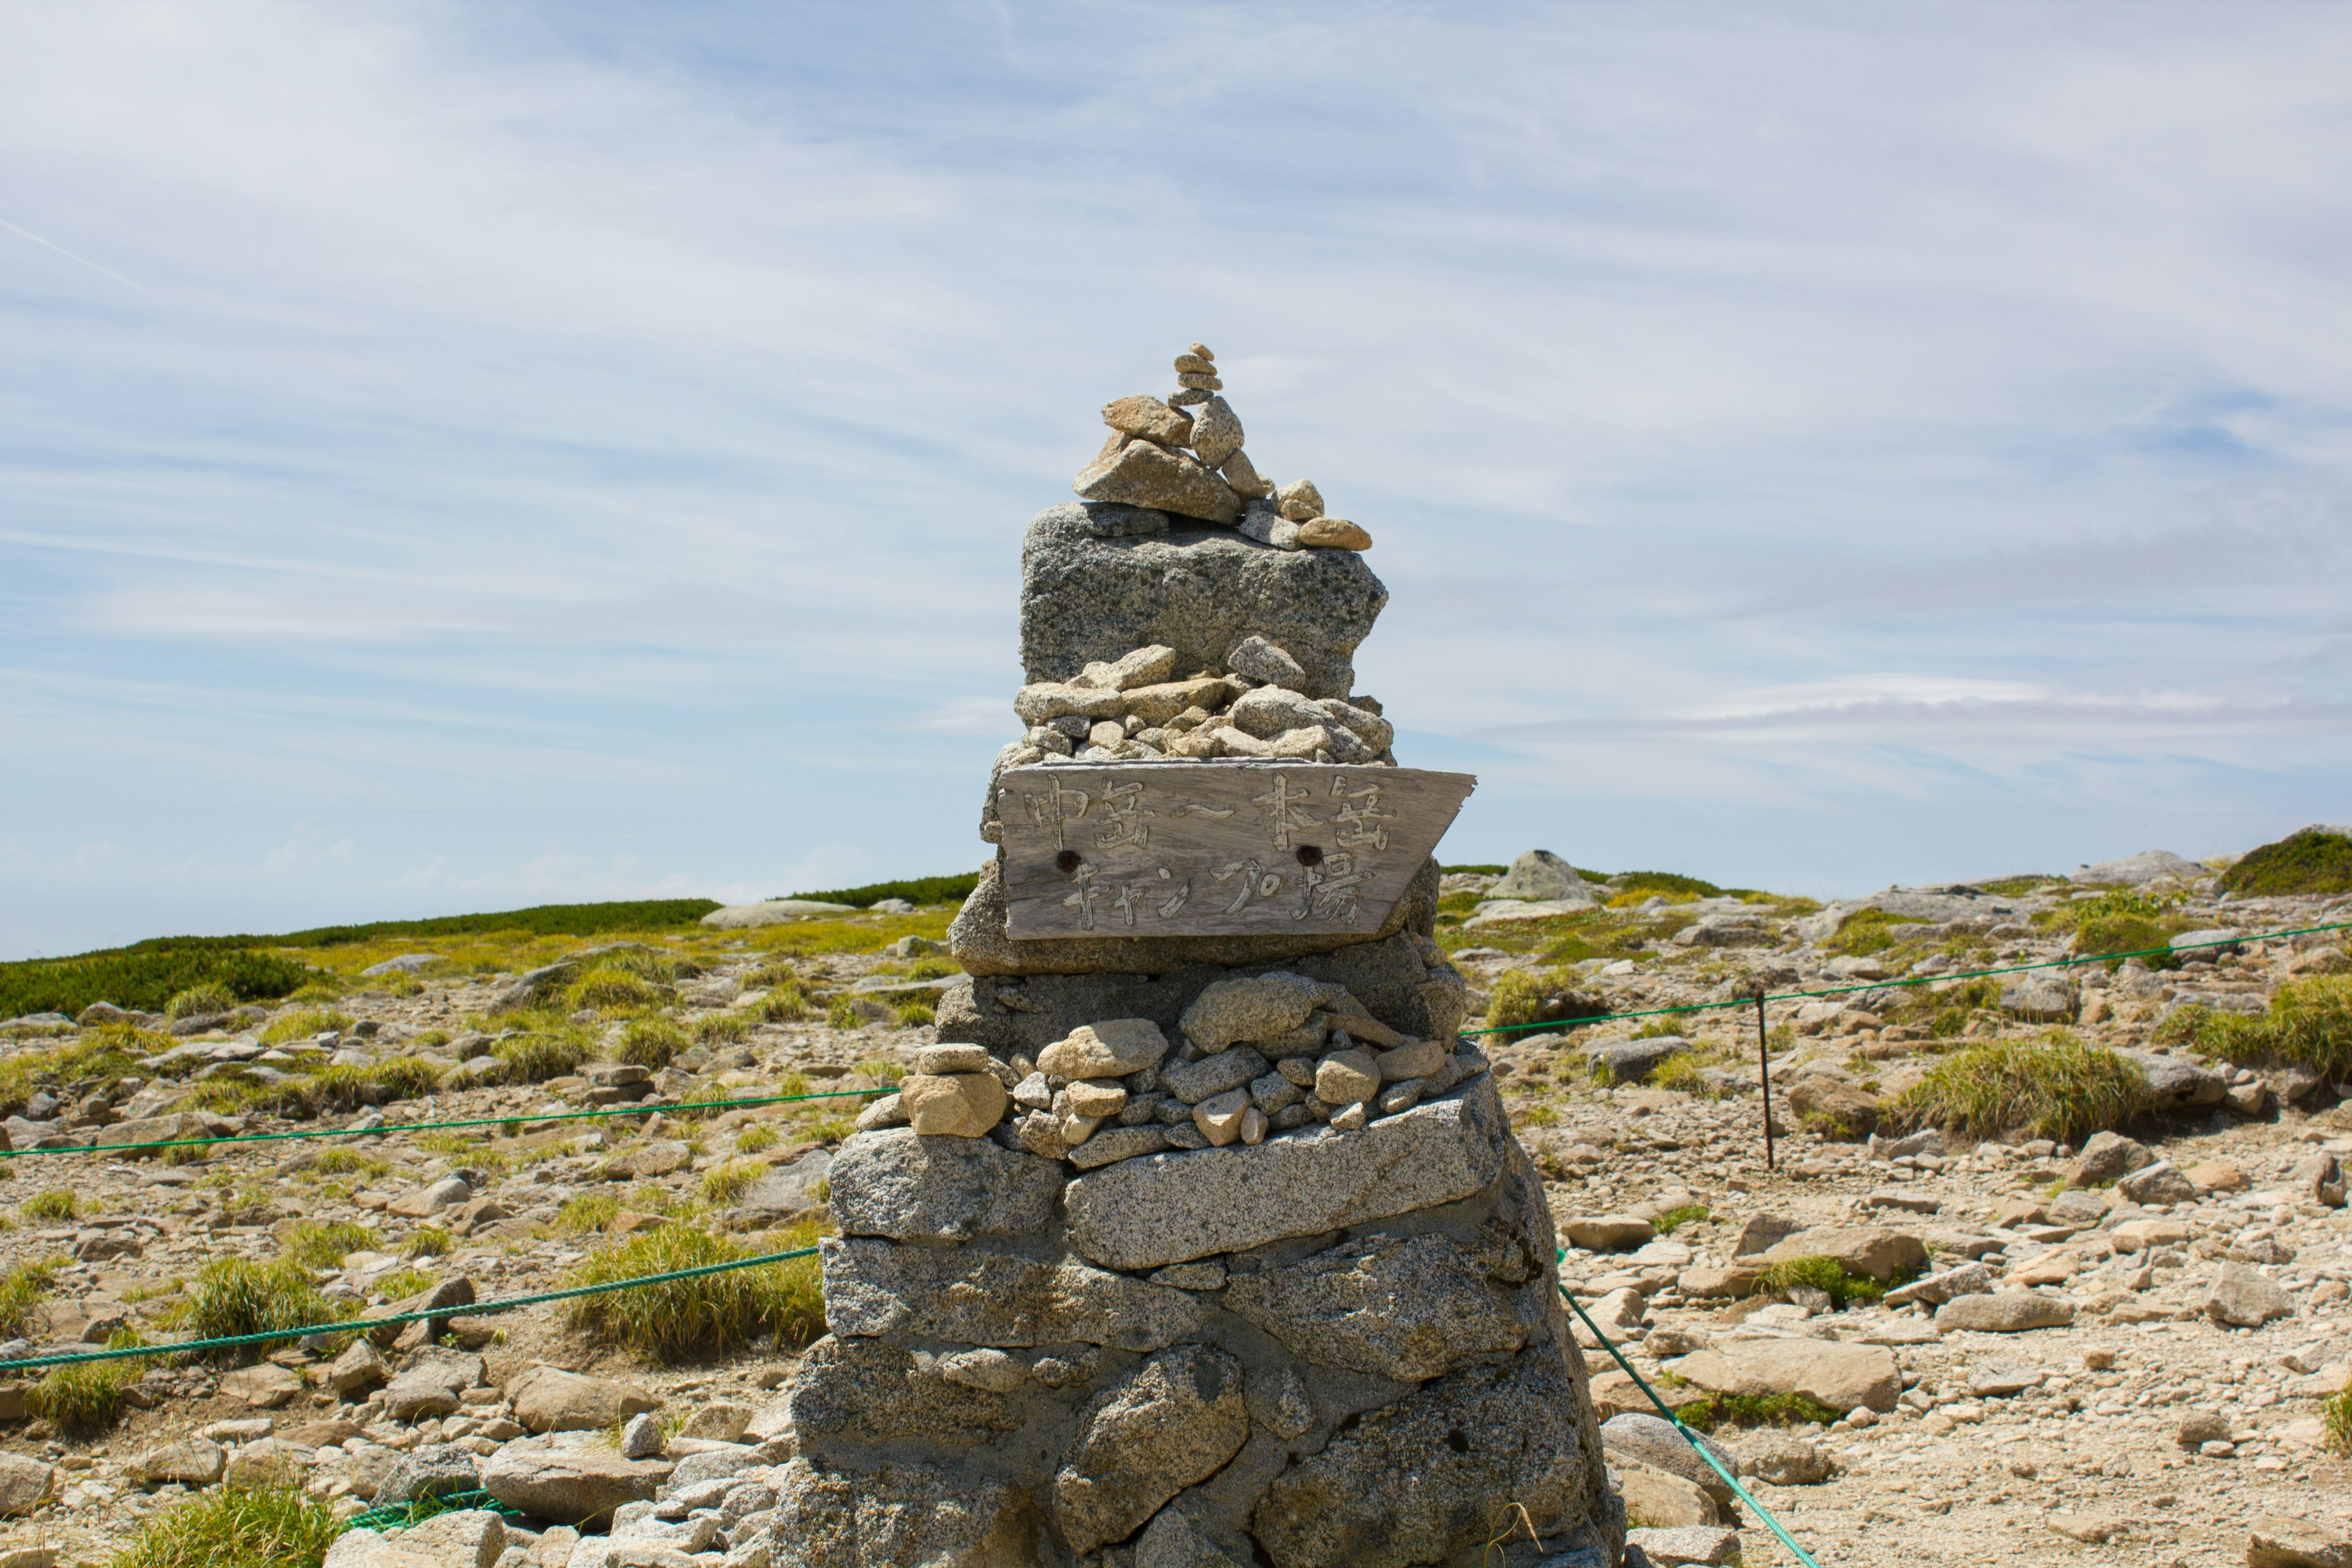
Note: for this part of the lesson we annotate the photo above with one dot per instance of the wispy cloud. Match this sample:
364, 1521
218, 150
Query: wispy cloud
565, 450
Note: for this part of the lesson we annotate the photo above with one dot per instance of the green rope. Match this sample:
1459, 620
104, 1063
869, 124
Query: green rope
1908, 979
406, 1515
380, 1129
356, 1325
1687, 1434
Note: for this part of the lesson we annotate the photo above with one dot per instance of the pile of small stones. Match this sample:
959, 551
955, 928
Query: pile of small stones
1134, 709
1260, 1054
1160, 456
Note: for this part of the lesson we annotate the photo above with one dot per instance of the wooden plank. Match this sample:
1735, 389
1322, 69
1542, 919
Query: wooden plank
1216, 847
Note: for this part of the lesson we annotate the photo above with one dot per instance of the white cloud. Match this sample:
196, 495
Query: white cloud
554, 451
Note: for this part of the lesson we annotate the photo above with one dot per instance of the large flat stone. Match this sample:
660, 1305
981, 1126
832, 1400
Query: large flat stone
1406, 1309
1425, 1478
1841, 1376
1086, 596
983, 945
569, 1477
902, 1184
1172, 1208
997, 1298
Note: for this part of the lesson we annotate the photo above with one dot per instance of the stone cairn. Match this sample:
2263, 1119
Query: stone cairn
1208, 1244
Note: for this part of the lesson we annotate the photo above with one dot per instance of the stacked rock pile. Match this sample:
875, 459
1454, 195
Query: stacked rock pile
1206, 1243
1161, 456
1133, 709
1260, 1054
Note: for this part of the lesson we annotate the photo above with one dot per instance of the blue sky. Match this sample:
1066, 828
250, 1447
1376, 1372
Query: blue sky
461, 457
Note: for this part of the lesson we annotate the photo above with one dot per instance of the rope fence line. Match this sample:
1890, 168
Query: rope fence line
398, 1320
1909, 980
1687, 1434
379, 1129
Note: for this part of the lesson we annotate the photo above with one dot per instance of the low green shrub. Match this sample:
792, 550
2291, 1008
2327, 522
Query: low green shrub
2309, 861
1516, 1000
722, 1185
1714, 1411
754, 1138
915, 1015
2336, 1413
236, 1527
790, 1005
915, 890
145, 977
588, 1211
1667, 1222
2057, 1086
2307, 1024
427, 1241
2126, 934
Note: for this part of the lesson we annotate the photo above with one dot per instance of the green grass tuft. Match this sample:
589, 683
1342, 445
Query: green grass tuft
1667, 1222
588, 1211
538, 1056
610, 985
2337, 1413
709, 1315
1823, 1274
754, 1138
54, 1206
724, 1183
246, 1527
21, 1289
316, 1244
241, 1296
301, 1022
2309, 1022
2057, 1086
721, 1028
83, 1401
651, 1042
201, 1000
428, 1241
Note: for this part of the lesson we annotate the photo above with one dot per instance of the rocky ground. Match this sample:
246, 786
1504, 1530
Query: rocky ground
2124, 1360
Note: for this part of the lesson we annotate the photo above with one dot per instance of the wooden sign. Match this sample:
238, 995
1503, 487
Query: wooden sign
1222, 848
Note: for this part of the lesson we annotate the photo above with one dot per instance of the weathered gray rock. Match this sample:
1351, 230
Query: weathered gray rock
413, 1396
1416, 1481
1969, 1278
2282, 1541
463, 1537
787, 1189
1608, 1233
2244, 1296
197, 1461
2178, 1083
1705, 1545
2041, 999
1196, 1081
1785, 1459
1869, 1249
1407, 1310
25, 1484
2106, 1157
1631, 1061
2145, 867
901, 1185
1200, 591
895, 1513
1171, 1541
1173, 1421
997, 1298
1841, 1376
549, 1399
2156, 1183
1658, 1443
567, 1477
2318, 1178
1252, 1007
1142, 473
1172, 1208
2004, 1312
866, 1392
1542, 877
435, 1469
